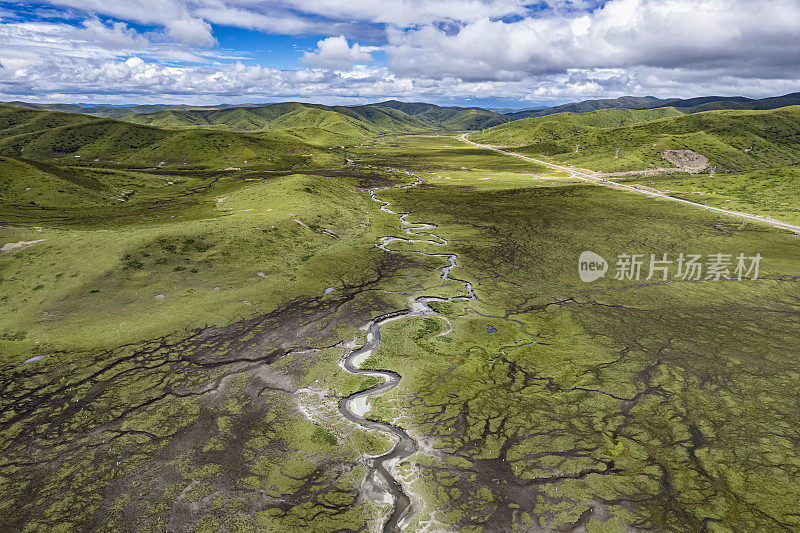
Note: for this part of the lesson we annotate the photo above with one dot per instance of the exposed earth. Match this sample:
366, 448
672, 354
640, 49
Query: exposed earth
686, 160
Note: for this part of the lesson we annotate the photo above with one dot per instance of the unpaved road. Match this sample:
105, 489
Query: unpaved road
592, 179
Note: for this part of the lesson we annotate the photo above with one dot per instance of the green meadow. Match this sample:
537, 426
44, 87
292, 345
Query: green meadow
639, 403
734, 141
173, 319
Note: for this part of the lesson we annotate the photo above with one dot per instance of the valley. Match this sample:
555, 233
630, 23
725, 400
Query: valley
370, 318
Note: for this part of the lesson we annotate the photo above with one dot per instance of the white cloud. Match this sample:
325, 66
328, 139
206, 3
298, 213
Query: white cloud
267, 13
751, 34
434, 50
405, 13
189, 31
335, 53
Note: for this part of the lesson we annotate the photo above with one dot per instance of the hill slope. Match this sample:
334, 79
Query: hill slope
77, 139
373, 119
587, 106
732, 140
453, 118
691, 105
109, 111
567, 125
314, 123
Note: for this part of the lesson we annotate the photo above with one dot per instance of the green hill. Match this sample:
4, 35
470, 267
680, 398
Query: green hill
568, 125
78, 139
352, 123
316, 124
732, 140
16, 121
587, 106
382, 118
109, 111
690, 105
40, 193
451, 118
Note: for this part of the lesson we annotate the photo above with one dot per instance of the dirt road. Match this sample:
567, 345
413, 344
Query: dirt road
586, 177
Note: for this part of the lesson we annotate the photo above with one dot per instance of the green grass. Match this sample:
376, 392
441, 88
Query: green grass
205, 267
327, 124
318, 125
563, 126
172, 399
436, 153
188, 370
449, 118
731, 140
771, 192
545, 428
111, 143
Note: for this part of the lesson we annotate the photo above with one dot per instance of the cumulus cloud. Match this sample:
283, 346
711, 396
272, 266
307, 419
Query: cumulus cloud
433, 50
744, 35
335, 53
191, 31
302, 15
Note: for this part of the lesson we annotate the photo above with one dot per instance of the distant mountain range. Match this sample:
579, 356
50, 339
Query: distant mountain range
690, 105
332, 125
284, 135
415, 116
112, 111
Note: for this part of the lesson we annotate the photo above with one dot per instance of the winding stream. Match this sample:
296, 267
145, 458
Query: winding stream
355, 406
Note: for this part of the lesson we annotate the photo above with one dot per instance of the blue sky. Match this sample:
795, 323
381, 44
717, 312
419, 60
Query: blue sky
497, 53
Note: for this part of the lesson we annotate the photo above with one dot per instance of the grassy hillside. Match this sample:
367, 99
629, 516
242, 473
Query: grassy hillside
348, 123
76, 139
452, 118
773, 191
567, 125
316, 124
108, 111
732, 140
690, 105
17, 121
587, 106
717, 103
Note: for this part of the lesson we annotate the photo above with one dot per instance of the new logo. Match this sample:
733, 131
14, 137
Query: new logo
591, 266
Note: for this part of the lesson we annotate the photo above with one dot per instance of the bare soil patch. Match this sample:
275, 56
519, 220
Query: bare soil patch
686, 160
7, 247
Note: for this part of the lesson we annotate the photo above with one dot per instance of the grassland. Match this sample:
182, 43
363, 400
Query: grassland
734, 141
67, 139
346, 122
434, 153
171, 358
772, 192
640, 406
171, 344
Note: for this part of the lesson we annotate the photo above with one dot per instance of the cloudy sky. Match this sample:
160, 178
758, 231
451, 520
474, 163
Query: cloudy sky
485, 52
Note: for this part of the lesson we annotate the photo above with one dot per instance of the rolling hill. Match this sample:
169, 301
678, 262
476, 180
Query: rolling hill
72, 139
316, 123
352, 121
587, 106
451, 118
731, 140
374, 119
691, 105
567, 125
712, 103
113, 111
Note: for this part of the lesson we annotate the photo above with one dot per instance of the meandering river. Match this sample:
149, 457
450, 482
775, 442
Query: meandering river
356, 406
